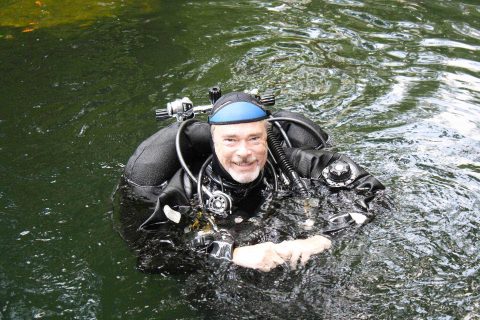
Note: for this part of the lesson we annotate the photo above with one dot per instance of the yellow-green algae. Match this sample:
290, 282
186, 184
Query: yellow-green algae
30, 15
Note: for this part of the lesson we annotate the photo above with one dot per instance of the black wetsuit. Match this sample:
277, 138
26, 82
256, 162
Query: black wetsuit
250, 201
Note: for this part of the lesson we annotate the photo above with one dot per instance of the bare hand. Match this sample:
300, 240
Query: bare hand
263, 256
294, 250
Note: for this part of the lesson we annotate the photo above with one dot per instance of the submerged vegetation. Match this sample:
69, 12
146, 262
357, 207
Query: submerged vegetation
30, 15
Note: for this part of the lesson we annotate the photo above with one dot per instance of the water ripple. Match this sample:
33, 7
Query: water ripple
465, 29
397, 84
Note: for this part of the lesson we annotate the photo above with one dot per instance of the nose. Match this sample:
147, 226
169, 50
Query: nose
243, 149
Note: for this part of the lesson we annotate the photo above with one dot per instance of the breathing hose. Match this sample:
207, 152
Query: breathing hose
179, 150
199, 182
300, 123
286, 166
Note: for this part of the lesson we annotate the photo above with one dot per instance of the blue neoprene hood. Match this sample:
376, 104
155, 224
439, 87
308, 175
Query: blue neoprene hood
238, 112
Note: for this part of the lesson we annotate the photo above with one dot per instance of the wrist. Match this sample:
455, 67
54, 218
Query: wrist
222, 246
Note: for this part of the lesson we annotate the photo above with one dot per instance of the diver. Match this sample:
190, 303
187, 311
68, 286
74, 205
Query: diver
224, 174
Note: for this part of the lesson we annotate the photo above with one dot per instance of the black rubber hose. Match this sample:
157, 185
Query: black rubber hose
275, 180
303, 124
200, 188
199, 181
284, 163
179, 151
284, 134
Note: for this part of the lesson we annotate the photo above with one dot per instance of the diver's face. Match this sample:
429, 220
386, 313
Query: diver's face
241, 149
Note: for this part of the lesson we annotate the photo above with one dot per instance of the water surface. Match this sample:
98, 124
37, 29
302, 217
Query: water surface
397, 84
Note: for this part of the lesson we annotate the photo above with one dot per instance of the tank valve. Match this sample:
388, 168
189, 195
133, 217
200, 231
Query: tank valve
181, 108
214, 93
267, 98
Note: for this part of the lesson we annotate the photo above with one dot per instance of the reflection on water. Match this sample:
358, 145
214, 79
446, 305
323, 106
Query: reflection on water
395, 82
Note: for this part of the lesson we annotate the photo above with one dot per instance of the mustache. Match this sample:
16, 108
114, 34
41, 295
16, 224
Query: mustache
247, 160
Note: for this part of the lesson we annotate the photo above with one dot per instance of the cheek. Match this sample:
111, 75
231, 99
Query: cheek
262, 153
223, 154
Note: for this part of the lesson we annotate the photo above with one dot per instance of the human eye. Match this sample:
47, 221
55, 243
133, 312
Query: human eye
255, 139
229, 141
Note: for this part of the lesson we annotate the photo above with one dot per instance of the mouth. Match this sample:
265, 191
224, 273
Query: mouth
245, 165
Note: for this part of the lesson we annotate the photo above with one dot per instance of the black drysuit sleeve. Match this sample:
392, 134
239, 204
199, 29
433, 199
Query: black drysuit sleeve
311, 163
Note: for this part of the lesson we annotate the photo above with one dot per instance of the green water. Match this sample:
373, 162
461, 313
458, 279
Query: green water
397, 84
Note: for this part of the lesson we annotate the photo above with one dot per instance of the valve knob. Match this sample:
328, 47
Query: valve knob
214, 93
268, 98
339, 171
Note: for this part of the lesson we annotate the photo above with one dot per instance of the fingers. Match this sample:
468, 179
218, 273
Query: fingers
262, 257
284, 250
272, 259
265, 268
296, 253
276, 260
266, 256
320, 243
305, 258
295, 250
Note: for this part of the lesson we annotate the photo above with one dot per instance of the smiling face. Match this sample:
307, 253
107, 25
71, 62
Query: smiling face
241, 149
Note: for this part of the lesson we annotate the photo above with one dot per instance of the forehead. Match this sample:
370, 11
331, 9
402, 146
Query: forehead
241, 129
